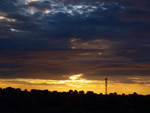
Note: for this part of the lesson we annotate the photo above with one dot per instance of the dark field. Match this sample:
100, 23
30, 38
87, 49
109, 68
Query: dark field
17, 101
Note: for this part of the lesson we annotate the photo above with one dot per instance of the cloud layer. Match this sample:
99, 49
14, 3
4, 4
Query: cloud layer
50, 38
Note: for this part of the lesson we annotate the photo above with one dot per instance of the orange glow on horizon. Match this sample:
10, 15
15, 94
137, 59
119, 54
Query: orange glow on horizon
98, 86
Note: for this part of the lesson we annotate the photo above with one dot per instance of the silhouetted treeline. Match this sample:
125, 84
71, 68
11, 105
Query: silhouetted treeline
11, 91
43, 101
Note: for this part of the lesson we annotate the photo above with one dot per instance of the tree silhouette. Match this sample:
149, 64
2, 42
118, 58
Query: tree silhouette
70, 91
75, 92
81, 92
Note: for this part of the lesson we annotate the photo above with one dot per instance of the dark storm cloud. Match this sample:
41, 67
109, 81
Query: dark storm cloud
41, 5
66, 19
103, 37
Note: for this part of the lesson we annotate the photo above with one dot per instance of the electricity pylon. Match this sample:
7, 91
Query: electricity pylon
106, 86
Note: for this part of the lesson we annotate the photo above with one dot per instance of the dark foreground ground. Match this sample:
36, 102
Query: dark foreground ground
46, 102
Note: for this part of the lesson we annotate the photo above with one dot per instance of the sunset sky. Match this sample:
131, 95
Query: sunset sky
75, 44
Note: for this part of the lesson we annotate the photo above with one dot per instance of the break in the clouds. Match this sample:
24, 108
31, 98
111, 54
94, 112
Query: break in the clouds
99, 38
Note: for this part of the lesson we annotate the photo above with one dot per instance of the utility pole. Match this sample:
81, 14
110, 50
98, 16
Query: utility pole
106, 86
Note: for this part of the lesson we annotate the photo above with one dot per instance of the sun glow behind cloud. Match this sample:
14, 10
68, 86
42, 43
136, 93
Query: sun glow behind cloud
74, 77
